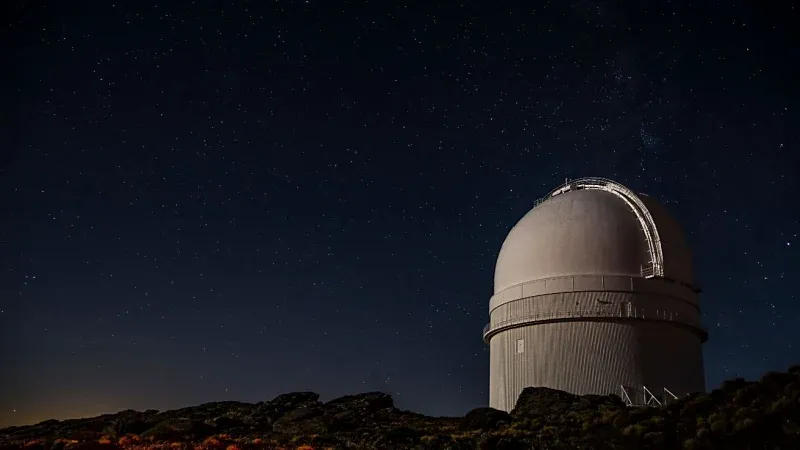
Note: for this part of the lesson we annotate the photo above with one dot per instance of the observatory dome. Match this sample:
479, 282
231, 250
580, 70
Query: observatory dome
589, 232
593, 294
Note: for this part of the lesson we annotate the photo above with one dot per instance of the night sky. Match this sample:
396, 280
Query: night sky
209, 201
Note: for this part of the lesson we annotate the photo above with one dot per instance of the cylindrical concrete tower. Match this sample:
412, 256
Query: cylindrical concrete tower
593, 294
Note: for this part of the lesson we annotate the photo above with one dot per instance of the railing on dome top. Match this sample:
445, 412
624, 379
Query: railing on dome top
655, 268
601, 313
647, 271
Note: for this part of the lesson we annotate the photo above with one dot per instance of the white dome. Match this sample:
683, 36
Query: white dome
592, 231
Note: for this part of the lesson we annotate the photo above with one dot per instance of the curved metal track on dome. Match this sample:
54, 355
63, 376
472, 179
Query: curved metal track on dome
639, 209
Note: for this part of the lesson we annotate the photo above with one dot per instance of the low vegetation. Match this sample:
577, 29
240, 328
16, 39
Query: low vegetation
740, 414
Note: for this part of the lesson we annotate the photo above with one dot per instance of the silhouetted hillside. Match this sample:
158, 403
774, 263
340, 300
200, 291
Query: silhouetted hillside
738, 415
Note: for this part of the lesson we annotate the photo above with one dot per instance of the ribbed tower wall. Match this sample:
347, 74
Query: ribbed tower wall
594, 342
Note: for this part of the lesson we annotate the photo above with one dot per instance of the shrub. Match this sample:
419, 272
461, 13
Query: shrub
743, 424
128, 440
780, 405
742, 412
702, 402
609, 416
701, 422
620, 420
657, 420
34, 443
792, 390
547, 431
733, 384
212, 442
654, 437
719, 426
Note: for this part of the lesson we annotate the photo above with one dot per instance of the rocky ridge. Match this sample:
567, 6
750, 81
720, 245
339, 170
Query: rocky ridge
738, 415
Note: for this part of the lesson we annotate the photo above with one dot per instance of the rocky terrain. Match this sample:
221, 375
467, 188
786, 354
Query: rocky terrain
738, 415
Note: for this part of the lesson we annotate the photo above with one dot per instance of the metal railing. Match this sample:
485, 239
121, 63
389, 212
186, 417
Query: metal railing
648, 271
597, 313
630, 396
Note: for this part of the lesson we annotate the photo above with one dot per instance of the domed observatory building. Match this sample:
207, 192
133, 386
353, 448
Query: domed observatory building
593, 294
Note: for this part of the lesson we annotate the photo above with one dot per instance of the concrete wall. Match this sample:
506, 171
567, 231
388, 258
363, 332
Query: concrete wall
594, 357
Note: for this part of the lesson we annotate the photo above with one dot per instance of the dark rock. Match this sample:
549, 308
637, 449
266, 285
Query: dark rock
324, 440
225, 422
777, 379
300, 414
342, 421
400, 437
10, 446
306, 420
79, 435
538, 401
364, 403
345, 415
180, 429
131, 424
352, 412
48, 423
439, 441
265, 414
596, 401
510, 443
496, 442
83, 426
484, 419
296, 398
734, 384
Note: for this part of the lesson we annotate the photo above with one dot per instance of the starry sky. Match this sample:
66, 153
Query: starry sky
207, 200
